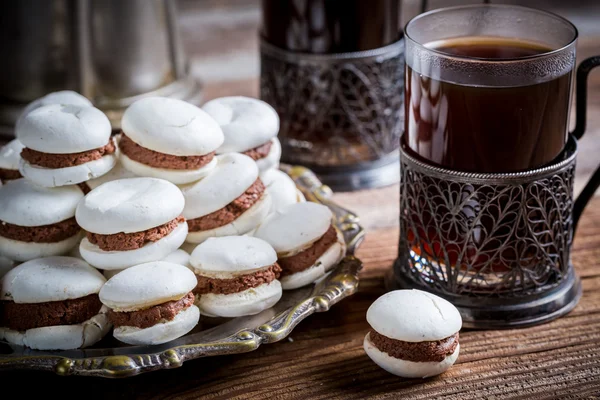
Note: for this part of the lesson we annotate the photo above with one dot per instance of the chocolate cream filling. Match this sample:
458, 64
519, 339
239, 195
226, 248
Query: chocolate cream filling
239, 283
40, 234
51, 160
231, 211
259, 152
160, 160
130, 241
9, 174
434, 351
307, 258
20, 317
151, 316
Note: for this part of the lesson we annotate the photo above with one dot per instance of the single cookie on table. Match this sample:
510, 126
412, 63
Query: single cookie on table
10, 154
282, 189
52, 304
179, 256
250, 126
237, 276
36, 221
169, 139
306, 241
151, 303
65, 145
414, 333
131, 221
232, 200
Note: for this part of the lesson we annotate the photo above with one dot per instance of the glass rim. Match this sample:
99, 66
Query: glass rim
497, 6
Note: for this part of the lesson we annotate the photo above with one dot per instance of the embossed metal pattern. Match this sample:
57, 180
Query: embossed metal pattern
336, 109
238, 335
483, 235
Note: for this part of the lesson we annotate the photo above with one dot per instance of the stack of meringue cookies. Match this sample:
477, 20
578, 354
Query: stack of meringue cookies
94, 227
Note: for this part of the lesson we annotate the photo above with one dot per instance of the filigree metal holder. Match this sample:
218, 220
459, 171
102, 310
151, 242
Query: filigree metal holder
341, 114
496, 245
112, 359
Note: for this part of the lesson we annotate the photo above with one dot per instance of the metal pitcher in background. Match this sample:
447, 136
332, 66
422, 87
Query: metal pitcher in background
111, 51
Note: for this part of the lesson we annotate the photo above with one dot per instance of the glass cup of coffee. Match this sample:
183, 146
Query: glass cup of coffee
486, 209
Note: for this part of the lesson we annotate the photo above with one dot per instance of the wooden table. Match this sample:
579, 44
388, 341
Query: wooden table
323, 358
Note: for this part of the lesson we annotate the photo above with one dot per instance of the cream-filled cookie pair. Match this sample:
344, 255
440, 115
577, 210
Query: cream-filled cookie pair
131, 221
414, 334
151, 303
237, 276
169, 139
231, 200
37, 221
250, 126
52, 304
307, 242
10, 154
65, 144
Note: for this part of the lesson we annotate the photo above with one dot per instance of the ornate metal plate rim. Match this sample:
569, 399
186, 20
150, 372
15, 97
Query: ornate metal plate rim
339, 284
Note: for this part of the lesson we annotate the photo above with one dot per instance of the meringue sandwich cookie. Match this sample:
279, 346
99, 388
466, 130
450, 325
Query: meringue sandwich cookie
282, 189
151, 303
131, 221
232, 200
65, 145
10, 154
179, 256
169, 139
237, 276
52, 304
306, 241
414, 333
250, 126
36, 221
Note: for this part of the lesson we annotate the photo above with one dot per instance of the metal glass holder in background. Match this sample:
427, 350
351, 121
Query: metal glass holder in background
111, 51
341, 114
515, 269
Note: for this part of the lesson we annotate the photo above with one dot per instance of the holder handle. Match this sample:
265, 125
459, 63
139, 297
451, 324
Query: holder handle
592, 185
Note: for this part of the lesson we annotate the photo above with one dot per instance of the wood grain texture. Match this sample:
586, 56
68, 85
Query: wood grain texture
324, 358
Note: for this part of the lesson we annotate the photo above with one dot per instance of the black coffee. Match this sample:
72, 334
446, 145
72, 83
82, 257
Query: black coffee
486, 129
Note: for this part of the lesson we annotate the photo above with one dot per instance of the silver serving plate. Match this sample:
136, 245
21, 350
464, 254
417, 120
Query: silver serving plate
213, 336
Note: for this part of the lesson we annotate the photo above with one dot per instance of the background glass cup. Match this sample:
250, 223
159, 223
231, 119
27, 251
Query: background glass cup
486, 197
333, 70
